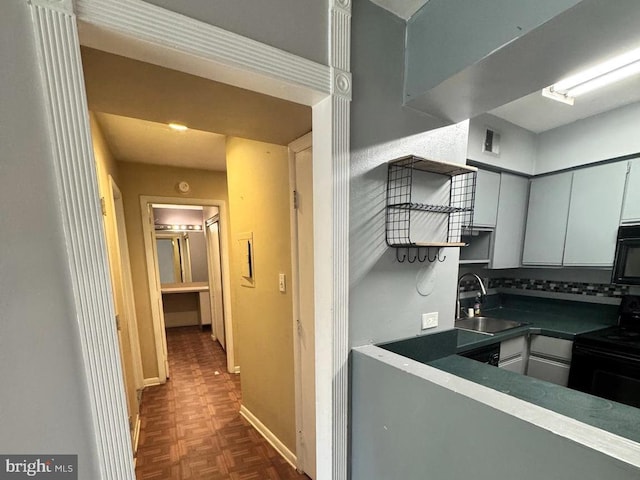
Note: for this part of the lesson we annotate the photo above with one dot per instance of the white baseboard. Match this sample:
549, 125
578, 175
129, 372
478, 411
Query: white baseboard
213, 337
275, 442
151, 382
136, 434
236, 369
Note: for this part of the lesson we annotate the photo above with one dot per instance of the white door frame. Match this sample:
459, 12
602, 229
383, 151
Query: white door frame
123, 254
155, 295
214, 268
118, 255
298, 145
146, 32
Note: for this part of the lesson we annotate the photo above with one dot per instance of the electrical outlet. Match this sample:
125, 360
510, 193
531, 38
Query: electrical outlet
282, 283
429, 320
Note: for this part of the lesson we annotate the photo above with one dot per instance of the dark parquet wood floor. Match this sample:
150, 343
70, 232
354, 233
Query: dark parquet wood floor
190, 426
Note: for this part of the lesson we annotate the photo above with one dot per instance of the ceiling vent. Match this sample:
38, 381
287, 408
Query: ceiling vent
491, 143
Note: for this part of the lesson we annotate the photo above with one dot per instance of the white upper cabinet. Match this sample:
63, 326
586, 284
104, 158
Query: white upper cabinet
547, 220
594, 215
631, 205
485, 210
512, 212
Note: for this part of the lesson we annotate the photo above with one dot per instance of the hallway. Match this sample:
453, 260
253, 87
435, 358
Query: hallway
191, 428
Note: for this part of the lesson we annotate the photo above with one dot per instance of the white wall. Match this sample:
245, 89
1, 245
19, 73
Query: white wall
296, 26
44, 402
407, 427
601, 137
608, 135
518, 147
384, 303
377, 63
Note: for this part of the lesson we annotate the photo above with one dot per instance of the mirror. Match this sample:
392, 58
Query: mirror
180, 243
174, 259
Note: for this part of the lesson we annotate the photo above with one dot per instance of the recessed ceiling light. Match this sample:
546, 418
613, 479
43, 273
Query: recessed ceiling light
178, 127
606, 73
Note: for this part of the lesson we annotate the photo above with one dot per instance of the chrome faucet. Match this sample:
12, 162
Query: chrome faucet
482, 289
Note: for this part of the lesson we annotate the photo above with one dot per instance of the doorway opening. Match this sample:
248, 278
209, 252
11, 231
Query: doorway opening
174, 298
188, 269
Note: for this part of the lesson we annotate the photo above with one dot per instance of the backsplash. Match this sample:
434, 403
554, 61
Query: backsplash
574, 288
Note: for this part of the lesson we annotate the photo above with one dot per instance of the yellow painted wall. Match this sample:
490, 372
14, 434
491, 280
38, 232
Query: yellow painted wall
105, 166
138, 179
258, 178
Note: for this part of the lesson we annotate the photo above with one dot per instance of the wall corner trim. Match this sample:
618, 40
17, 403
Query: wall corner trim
340, 61
58, 50
63, 6
171, 30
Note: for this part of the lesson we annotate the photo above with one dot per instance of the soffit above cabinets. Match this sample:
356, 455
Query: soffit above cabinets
401, 8
578, 37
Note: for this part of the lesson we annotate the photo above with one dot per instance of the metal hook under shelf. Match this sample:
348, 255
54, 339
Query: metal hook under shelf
420, 254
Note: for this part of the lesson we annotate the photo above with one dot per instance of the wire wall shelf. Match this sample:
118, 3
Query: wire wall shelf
417, 226
428, 208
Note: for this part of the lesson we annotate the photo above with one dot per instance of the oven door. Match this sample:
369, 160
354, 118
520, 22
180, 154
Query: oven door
606, 374
626, 266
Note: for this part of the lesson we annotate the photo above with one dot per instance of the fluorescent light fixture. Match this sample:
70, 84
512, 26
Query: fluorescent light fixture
178, 127
177, 228
606, 73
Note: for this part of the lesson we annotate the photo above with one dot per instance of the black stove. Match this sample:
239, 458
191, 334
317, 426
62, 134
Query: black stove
606, 362
617, 339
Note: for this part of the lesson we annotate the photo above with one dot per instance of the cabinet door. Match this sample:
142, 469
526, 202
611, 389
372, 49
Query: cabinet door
554, 348
485, 209
514, 365
512, 212
514, 347
594, 215
547, 220
631, 205
548, 370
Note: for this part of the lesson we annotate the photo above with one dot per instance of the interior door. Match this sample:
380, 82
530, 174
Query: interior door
155, 289
215, 281
306, 325
124, 317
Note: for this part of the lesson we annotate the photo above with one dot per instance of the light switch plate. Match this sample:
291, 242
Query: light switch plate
429, 320
282, 283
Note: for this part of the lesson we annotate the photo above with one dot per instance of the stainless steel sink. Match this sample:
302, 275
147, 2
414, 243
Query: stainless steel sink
486, 325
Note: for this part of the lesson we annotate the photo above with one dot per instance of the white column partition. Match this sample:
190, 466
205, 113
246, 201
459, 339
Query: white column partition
340, 60
58, 47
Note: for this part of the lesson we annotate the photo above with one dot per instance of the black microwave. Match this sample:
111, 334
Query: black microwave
626, 266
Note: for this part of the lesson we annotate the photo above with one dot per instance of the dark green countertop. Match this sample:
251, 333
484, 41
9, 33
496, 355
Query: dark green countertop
556, 319
612, 417
556, 325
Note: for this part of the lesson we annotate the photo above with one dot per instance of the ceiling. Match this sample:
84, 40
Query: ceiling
134, 140
538, 114
134, 101
401, 8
